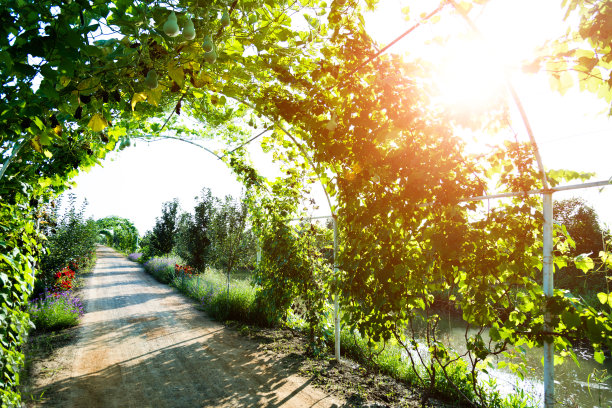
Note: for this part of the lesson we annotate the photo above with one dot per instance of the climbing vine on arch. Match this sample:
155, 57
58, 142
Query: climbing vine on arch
80, 78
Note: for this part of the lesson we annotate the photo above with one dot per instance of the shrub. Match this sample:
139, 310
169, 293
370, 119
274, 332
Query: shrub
56, 311
162, 268
135, 257
63, 280
210, 289
71, 240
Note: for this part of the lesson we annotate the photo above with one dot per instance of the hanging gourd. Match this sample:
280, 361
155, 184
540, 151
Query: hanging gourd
210, 57
207, 44
151, 79
225, 18
171, 27
332, 124
189, 30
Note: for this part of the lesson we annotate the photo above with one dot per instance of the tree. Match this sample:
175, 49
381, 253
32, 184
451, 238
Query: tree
582, 224
193, 242
71, 240
232, 243
162, 236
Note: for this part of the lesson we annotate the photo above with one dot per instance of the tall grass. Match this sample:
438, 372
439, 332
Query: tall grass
210, 289
162, 268
391, 359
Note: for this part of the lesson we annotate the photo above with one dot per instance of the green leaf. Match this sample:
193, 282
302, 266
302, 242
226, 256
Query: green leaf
603, 298
584, 263
44, 139
571, 319
599, 357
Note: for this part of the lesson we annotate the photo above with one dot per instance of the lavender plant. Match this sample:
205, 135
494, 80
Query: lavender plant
162, 268
56, 310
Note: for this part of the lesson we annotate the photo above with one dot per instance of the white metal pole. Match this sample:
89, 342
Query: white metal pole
258, 259
548, 287
336, 303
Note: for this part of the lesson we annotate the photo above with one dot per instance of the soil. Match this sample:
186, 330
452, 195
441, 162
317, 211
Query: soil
143, 344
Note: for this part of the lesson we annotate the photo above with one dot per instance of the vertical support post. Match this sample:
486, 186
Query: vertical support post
548, 288
336, 302
258, 257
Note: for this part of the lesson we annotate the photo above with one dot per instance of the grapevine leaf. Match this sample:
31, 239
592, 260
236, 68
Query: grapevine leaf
584, 263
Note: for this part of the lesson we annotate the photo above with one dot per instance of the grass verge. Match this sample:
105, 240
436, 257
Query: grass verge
211, 290
375, 373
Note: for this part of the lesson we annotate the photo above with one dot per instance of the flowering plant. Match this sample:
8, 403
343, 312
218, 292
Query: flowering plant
56, 310
186, 269
135, 256
63, 279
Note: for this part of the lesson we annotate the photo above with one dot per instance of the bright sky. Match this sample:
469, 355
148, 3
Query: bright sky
573, 131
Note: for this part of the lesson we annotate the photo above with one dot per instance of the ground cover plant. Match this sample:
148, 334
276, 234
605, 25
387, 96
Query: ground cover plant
210, 289
241, 306
57, 310
135, 256
162, 268
336, 111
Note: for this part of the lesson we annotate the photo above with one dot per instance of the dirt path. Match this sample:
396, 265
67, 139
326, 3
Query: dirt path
141, 344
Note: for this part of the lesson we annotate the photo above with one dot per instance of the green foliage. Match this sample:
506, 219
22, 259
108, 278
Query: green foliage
20, 246
119, 233
55, 311
162, 236
192, 239
390, 163
209, 289
71, 241
584, 51
162, 268
232, 243
292, 270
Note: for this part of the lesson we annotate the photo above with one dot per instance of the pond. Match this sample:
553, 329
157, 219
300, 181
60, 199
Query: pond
575, 386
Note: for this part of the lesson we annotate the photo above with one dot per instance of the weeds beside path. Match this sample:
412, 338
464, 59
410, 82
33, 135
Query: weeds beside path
142, 344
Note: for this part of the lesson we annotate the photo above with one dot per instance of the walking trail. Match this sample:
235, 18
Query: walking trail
142, 344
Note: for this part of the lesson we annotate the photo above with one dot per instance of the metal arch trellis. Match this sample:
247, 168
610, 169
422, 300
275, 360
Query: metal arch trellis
546, 192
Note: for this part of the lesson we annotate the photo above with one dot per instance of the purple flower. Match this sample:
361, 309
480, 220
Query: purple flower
135, 256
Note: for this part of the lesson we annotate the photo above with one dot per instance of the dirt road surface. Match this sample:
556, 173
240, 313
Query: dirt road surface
142, 344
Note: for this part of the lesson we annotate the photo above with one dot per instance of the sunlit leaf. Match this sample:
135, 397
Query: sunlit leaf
97, 123
36, 144
603, 298
176, 73
584, 263
153, 96
138, 97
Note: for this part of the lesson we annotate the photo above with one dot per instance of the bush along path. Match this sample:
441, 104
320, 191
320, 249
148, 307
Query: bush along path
365, 378
140, 343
